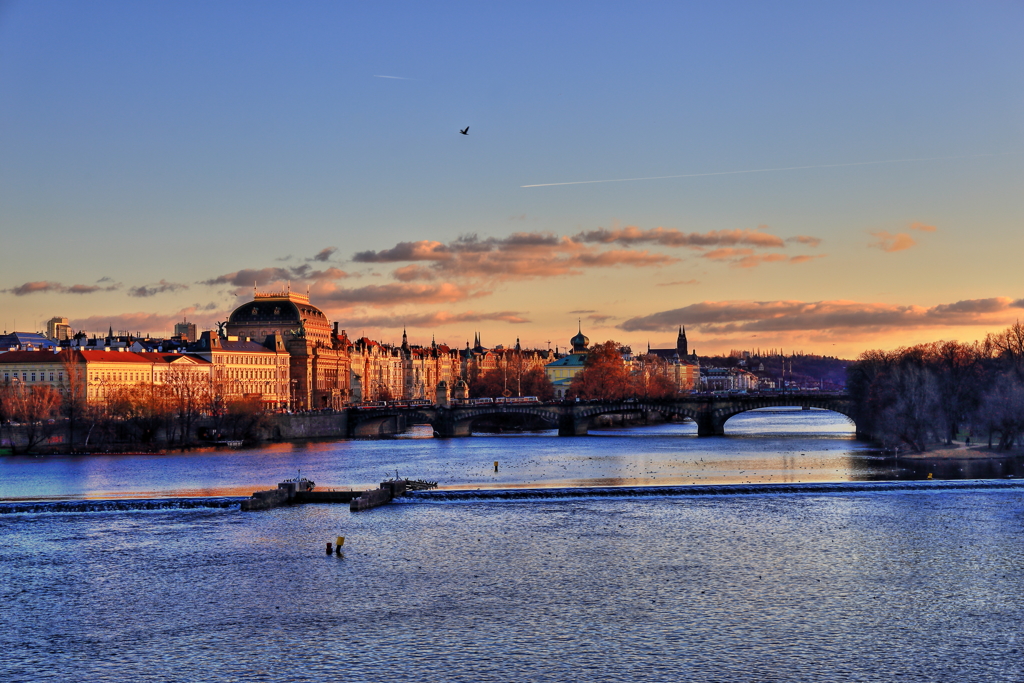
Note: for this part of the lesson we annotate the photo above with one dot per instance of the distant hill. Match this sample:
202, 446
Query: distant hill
805, 368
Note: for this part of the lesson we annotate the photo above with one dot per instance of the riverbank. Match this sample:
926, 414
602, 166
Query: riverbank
964, 452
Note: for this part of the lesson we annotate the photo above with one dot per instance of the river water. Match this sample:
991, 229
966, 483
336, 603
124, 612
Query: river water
599, 558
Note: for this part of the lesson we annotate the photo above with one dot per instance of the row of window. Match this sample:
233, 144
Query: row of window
249, 374
31, 377
250, 360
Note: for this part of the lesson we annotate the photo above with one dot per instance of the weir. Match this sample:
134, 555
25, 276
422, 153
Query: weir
301, 490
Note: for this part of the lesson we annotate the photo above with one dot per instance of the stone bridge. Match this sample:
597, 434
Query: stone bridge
574, 419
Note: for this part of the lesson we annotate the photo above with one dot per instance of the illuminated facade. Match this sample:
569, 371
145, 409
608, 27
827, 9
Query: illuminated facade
319, 366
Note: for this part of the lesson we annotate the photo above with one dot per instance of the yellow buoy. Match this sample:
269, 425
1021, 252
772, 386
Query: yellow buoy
339, 541
929, 475
495, 465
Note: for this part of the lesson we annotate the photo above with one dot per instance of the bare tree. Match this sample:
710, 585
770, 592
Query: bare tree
33, 408
190, 392
1003, 409
74, 391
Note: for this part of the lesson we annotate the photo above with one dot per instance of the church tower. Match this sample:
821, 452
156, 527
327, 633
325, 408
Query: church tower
681, 343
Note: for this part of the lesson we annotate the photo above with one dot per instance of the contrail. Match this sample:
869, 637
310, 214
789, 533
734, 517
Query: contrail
767, 170
397, 78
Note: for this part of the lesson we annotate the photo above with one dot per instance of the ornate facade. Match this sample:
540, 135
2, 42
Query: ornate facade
319, 358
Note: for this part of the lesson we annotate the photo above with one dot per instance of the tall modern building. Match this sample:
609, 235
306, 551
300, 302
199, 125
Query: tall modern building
58, 329
185, 330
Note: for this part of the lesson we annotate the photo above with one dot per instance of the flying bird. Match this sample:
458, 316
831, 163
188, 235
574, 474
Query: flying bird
465, 131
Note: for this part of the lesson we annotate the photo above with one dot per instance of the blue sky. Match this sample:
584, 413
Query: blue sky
149, 148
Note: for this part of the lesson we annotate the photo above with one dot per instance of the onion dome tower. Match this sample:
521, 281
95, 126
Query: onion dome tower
580, 342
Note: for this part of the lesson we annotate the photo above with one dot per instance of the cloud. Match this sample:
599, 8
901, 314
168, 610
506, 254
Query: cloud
803, 258
423, 250
631, 235
724, 317
435, 319
521, 255
804, 239
758, 259
898, 242
890, 243
324, 254
726, 254
586, 310
46, 286
158, 324
159, 288
263, 276
599, 319
678, 282
413, 272
394, 294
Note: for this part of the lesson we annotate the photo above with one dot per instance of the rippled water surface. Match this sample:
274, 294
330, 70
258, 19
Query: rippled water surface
853, 580
919, 585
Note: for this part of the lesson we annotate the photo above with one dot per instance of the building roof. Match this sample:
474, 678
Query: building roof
92, 356
173, 358
572, 361
25, 341
243, 346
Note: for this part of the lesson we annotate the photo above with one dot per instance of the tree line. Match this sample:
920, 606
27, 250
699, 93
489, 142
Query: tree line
604, 376
920, 395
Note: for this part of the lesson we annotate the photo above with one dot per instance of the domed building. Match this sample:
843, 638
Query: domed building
562, 371
319, 369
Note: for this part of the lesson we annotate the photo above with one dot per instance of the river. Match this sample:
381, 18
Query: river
815, 559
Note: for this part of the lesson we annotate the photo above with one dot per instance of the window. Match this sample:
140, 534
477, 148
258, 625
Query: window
33, 377
51, 376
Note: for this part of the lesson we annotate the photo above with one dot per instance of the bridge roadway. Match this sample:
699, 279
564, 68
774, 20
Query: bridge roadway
574, 419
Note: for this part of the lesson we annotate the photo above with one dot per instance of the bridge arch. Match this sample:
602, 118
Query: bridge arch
386, 421
460, 422
724, 410
585, 414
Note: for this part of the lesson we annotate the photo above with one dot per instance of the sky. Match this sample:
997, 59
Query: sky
842, 176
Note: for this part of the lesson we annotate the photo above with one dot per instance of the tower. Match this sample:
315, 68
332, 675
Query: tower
681, 343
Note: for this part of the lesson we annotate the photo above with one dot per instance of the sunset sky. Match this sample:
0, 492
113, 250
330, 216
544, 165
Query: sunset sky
848, 177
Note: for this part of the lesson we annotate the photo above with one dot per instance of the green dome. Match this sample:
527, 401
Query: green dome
580, 342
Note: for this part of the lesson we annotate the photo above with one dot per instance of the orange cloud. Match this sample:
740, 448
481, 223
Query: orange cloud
890, 243
803, 258
922, 227
758, 259
805, 239
434, 319
393, 294
678, 282
631, 235
263, 276
158, 324
45, 286
726, 254
725, 317
413, 272
521, 255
